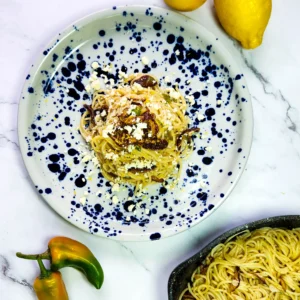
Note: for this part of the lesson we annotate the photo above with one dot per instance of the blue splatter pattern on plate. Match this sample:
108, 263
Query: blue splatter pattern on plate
177, 49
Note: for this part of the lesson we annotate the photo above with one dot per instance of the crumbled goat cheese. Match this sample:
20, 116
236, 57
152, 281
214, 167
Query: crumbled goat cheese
96, 85
111, 156
200, 117
167, 79
107, 69
191, 99
88, 88
138, 130
203, 184
86, 158
131, 207
140, 164
145, 60
122, 75
129, 129
116, 187
109, 129
95, 65
82, 200
115, 200
130, 148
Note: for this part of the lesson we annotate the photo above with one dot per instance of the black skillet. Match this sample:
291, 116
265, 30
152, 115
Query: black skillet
181, 274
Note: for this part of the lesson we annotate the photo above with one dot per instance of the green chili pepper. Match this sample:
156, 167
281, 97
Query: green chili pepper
65, 252
49, 285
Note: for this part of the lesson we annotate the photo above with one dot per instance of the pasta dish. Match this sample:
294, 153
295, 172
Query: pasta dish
138, 131
263, 264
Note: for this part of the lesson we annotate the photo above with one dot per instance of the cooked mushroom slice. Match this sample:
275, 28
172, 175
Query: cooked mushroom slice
145, 81
154, 178
236, 280
143, 170
187, 131
91, 112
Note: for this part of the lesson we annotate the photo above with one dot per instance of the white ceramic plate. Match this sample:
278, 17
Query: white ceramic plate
52, 103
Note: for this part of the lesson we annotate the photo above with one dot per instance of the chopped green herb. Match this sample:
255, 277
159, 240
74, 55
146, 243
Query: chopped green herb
137, 110
167, 98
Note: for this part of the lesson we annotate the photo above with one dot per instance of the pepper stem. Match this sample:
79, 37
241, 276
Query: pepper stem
45, 255
44, 272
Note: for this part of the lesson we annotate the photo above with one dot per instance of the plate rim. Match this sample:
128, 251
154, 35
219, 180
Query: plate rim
37, 62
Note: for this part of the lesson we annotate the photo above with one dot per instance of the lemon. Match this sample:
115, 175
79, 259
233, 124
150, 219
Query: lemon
244, 20
185, 5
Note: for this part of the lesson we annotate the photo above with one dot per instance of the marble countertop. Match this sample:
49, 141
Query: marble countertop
269, 186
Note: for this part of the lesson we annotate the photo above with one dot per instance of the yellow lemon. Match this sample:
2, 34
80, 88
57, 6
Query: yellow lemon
185, 5
244, 20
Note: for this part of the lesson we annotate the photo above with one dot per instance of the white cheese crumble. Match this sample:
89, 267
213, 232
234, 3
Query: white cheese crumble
95, 65
103, 113
111, 156
167, 79
177, 52
131, 207
115, 200
130, 148
136, 87
203, 184
200, 117
107, 196
127, 218
88, 88
204, 135
138, 131
82, 200
122, 75
174, 94
140, 164
88, 138
145, 60
208, 148
97, 118
95, 161
219, 102
93, 77
107, 69
147, 211
96, 85
86, 158
116, 187
191, 99
129, 130
109, 129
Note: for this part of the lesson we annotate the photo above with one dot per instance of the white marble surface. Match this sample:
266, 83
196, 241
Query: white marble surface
269, 186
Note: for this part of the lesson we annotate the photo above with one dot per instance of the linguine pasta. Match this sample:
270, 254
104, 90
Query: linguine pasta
138, 131
263, 264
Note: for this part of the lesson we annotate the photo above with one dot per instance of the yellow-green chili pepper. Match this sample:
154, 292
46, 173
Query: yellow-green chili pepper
65, 252
49, 285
